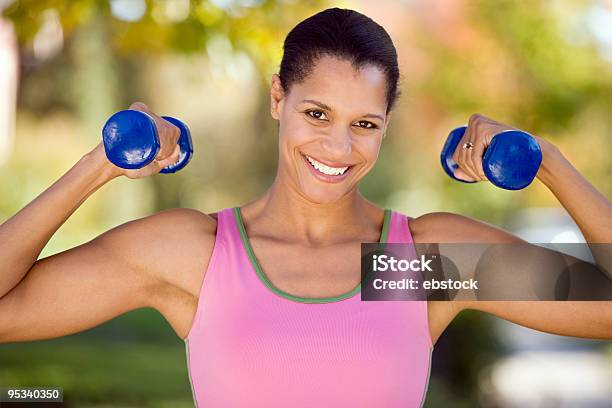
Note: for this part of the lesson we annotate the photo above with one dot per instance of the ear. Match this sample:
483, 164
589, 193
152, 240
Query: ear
277, 96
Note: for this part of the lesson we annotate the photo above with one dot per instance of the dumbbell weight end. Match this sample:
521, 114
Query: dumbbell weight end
185, 144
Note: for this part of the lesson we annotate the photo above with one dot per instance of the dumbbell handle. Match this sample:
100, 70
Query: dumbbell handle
510, 162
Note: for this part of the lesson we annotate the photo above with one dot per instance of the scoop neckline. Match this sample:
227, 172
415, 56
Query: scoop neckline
246, 243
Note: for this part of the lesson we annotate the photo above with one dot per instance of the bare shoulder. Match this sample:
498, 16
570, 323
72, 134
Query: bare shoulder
446, 227
186, 218
157, 261
172, 245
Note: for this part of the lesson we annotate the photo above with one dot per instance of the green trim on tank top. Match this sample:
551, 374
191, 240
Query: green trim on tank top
193, 395
249, 249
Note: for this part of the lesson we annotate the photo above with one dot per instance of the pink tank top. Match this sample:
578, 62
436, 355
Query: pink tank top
253, 345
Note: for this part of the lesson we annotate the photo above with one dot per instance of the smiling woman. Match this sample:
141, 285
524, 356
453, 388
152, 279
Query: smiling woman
293, 330
327, 130
266, 295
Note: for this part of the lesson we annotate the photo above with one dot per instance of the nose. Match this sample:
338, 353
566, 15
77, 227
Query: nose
338, 142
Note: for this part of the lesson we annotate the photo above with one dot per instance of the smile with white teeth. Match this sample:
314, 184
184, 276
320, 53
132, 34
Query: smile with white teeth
330, 171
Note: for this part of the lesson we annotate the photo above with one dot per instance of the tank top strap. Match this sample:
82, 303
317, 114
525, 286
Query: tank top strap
235, 258
227, 230
399, 231
225, 276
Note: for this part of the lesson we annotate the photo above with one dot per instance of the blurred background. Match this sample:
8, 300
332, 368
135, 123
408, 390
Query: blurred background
66, 66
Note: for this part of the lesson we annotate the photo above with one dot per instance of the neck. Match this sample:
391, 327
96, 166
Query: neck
283, 209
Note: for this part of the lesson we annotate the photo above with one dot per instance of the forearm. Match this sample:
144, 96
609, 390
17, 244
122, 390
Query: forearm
585, 319
25, 234
590, 209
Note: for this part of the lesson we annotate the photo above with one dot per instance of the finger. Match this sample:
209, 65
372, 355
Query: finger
176, 154
140, 106
171, 159
476, 160
467, 164
479, 127
168, 138
459, 152
464, 156
473, 158
462, 175
168, 133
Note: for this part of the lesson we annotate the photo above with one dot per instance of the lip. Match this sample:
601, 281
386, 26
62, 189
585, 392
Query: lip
324, 177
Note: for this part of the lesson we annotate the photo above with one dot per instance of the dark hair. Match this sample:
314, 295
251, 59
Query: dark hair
342, 33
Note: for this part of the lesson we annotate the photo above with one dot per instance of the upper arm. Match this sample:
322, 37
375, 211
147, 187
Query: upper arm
588, 319
444, 227
123, 269
571, 318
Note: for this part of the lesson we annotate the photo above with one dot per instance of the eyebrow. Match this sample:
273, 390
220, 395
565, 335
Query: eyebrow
324, 106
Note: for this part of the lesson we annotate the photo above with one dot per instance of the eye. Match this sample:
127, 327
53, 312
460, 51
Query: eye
315, 112
372, 125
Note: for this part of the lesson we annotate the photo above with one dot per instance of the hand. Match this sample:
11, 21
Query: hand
169, 152
480, 133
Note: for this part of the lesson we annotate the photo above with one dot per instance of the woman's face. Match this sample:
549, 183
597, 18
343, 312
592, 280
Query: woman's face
331, 126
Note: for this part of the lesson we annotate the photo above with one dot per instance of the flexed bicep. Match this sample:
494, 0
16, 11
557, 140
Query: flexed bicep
74, 290
129, 267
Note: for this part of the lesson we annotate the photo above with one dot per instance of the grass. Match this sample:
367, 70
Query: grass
101, 367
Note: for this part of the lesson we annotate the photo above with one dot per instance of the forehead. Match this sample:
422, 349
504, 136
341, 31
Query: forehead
337, 83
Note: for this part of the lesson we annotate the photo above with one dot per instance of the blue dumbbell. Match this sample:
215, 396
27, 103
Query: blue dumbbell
131, 140
511, 161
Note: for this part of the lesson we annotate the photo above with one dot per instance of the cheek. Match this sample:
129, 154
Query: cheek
295, 132
368, 147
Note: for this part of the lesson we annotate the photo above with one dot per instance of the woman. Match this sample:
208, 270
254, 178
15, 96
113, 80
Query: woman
266, 295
